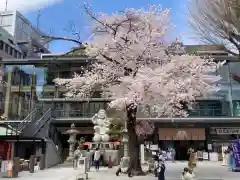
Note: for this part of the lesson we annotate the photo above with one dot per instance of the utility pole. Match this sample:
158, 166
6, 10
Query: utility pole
6, 5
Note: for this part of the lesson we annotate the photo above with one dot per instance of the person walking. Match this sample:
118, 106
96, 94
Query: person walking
89, 159
192, 162
77, 155
230, 159
160, 155
97, 156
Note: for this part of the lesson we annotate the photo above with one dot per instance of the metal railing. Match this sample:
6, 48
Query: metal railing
208, 112
73, 113
42, 121
32, 116
192, 113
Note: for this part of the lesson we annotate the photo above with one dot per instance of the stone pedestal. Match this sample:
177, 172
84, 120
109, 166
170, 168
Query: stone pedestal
42, 162
124, 164
31, 163
71, 151
16, 167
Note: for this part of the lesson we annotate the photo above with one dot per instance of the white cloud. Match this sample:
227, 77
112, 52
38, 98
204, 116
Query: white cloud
26, 5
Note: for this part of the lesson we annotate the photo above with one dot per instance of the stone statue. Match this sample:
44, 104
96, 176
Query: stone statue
101, 124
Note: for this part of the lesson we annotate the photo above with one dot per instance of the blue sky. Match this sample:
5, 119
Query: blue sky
55, 18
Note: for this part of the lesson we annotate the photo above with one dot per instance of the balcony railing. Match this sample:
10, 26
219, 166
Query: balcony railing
208, 112
89, 114
73, 114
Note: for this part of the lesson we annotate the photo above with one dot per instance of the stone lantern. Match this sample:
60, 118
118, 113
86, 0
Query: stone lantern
125, 159
125, 141
72, 132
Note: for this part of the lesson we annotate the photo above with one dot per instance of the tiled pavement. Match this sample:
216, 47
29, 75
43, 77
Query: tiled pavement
204, 171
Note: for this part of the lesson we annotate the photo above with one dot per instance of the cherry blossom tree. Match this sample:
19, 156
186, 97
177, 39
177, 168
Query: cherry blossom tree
134, 67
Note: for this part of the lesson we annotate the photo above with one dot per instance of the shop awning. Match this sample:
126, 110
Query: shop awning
21, 138
7, 130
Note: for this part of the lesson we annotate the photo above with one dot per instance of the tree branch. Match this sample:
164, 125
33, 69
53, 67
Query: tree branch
59, 38
216, 21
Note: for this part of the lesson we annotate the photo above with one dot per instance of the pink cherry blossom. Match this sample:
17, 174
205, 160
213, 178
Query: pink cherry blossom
133, 67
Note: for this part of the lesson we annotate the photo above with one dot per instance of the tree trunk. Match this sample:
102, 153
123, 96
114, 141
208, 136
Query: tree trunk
133, 144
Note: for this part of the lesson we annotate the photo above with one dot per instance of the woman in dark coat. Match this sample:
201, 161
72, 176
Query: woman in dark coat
161, 170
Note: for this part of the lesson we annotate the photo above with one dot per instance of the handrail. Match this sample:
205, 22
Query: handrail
38, 121
27, 119
55, 149
44, 118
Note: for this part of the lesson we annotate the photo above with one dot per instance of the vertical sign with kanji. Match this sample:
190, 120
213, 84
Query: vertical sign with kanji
236, 152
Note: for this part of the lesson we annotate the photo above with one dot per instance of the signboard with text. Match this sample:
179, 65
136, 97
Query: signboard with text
226, 131
236, 152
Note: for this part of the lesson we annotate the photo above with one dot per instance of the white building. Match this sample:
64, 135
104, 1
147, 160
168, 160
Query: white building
8, 49
24, 33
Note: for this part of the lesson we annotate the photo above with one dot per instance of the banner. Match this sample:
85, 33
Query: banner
236, 152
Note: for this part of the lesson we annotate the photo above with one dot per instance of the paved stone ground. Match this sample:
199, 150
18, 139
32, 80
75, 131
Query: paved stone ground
204, 171
55, 173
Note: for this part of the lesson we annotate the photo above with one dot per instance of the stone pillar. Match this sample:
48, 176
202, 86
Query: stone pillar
8, 94
12, 150
142, 153
20, 104
56, 88
31, 163
67, 110
33, 90
72, 141
71, 150
125, 159
16, 167
125, 142
42, 162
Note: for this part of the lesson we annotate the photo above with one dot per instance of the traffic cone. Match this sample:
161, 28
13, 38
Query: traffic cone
110, 164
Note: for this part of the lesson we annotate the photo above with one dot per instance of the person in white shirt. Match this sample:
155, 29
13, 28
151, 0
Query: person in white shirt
97, 155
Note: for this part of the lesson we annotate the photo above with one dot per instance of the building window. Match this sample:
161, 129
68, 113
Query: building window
6, 48
18, 55
1, 45
15, 53
11, 51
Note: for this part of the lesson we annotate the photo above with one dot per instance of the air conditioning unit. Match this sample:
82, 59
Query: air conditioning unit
47, 56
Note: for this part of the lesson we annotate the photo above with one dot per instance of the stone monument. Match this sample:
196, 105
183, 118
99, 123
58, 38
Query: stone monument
101, 124
72, 132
